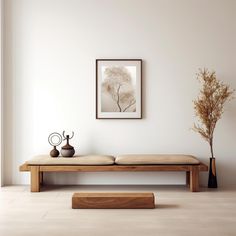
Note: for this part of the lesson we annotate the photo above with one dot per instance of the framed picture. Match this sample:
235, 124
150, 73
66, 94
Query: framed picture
118, 89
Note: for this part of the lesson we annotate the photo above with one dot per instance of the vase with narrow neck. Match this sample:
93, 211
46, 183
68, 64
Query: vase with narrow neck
54, 152
212, 179
67, 150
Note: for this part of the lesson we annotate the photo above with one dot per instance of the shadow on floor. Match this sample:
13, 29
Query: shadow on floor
166, 206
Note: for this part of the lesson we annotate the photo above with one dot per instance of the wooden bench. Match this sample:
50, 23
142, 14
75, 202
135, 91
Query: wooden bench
37, 170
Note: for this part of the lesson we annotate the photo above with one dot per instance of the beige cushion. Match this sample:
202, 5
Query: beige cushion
76, 160
151, 159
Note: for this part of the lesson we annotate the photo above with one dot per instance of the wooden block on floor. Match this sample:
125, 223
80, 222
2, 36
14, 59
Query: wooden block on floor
113, 201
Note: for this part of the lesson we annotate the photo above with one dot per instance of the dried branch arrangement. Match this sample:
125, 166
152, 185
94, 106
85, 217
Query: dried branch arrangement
209, 106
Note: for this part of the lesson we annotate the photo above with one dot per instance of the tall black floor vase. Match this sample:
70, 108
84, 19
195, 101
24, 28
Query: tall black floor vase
212, 180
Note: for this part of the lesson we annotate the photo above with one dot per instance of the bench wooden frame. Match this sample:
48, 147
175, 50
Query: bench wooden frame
192, 171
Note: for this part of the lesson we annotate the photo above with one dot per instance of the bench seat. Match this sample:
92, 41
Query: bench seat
97, 163
155, 159
86, 160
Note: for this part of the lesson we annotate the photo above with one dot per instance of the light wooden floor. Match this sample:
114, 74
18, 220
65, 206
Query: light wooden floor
178, 212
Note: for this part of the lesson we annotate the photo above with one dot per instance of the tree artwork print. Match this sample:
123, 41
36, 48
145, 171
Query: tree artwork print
118, 88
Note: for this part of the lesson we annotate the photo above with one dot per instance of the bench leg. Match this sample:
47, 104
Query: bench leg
41, 177
194, 179
188, 178
35, 179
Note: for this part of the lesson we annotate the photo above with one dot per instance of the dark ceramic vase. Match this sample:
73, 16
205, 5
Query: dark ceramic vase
212, 180
67, 150
54, 152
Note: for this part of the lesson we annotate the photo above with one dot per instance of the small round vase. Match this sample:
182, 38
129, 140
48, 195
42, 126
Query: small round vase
54, 152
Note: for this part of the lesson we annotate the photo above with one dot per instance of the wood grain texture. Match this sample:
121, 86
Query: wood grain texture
188, 178
115, 168
24, 167
194, 179
203, 167
113, 201
35, 179
41, 178
81, 168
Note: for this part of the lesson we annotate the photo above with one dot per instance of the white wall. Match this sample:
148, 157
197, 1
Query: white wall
51, 47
